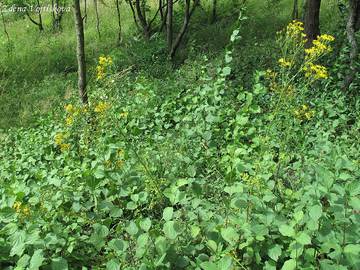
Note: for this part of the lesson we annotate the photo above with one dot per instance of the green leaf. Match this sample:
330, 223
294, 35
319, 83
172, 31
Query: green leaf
118, 245
209, 266
226, 71
289, 265
112, 265
315, 212
168, 213
59, 264
191, 170
352, 249
132, 228
230, 235
23, 261
98, 236
171, 229
195, 230
303, 238
286, 230
36, 260
145, 224
275, 252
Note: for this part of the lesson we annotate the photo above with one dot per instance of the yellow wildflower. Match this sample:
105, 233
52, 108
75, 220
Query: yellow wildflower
124, 114
101, 107
64, 147
119, 163
315, 71
59, 137
69, 120
17, 207
285, 64
70, 108
26, 211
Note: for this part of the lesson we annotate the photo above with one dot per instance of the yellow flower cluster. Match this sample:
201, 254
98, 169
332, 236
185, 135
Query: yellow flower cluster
21, 209
101, 107
284, 63
316, 72
319, 47
102, 67
59, 141
295, 30
124, 114
304, 113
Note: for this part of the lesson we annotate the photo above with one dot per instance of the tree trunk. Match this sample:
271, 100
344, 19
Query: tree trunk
312, 20
119, 20
142, 18
169, 24
214, 11
187, 16
41, 27
295, 12
350, 31
80, 52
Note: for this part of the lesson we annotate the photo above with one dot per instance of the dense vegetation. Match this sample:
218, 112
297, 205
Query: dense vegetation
239, 152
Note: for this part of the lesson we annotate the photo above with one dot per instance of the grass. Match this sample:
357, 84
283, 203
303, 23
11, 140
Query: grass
42, 59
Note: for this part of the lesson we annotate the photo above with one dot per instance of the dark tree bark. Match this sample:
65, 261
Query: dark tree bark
312, 20
119, 20
354, 13
214, 11
57, 15
295, 12
80, 52
39, 23
187, 16
169, 24
140, 11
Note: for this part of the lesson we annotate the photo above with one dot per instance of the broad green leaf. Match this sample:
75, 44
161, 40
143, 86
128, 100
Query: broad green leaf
315, 212
36, 260
289, 265
230, 235
59, 264
145, 224
112, 265
132, 228
303, 238
286, 230
168, 213
171, 229
275, 252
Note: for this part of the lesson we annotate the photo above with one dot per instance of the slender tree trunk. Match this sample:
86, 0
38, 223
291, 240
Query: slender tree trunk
187, 16
139, 10
214, 11
169, 24
134, 14
161, 10
295, 12
97, 18
80, 52
119, 20
312, 20
350, 31
41, 27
